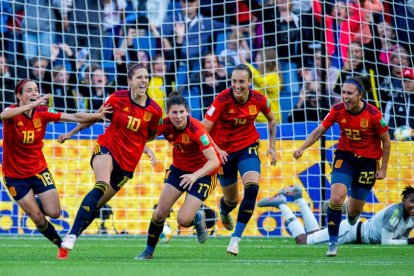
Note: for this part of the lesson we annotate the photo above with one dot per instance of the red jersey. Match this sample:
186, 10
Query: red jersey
23, 142
360, 133
128, 131
234, 127
188, 144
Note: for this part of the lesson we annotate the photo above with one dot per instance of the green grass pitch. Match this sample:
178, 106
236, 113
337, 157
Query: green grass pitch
102, 255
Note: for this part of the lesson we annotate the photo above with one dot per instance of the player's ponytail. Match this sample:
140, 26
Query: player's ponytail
175, 98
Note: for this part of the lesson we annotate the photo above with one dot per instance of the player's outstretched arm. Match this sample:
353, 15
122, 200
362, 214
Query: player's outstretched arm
102, 112
387, 238
315, 135
9, 113
151, 155
82, 117
223, 155
271, 126
386, 151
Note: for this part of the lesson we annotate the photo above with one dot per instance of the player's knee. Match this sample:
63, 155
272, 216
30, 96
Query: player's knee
160, 215
301, 239
54, 213
337, 199
38, 217
184, 221
354, 213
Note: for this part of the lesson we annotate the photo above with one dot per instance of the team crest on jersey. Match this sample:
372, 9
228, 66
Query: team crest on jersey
147, 116
252, 110
12, 191
37, 123
364, 122
185, 139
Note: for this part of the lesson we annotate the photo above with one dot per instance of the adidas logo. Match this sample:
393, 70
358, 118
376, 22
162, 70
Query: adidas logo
331, 223
248, 211
86, 208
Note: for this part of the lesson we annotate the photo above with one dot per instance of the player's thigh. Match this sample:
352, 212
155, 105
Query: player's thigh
101, 163
364, 179
51, 203
30, 207
249, 164
190, 207
169, 195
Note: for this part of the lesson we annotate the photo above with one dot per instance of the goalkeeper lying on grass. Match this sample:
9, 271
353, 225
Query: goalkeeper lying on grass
390, 226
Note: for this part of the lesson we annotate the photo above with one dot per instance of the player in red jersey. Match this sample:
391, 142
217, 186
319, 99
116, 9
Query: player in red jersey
364, 141
25, 170
230, 120
195, 163
134, 121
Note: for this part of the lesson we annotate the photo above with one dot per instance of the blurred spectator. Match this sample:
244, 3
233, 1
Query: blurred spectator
308, 108
388, 40
6, 35
7, 82
85, 28
98, 90
114, 14
402, 112
278, 18
403, 19
39, 25
313, 79
391, 86
211, 80
39, 71
196, 33
64, 93
353, 66
156, 86
346, 24
236, 45
267, 81
156, 12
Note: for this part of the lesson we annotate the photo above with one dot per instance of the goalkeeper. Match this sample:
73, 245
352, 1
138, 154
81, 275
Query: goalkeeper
390, 226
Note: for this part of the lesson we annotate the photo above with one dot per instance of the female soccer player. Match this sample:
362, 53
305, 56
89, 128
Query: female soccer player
364, 141
230, 120
195, 162
134, 121
25, 170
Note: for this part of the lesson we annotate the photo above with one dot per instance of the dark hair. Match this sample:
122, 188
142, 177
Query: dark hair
19, 87
362, 83
175, 98
407, 191
132, 66
243, 67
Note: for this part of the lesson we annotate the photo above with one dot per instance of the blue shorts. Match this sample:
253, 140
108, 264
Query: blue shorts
40, 183
356, 172
119, 177
201, 189
243, 161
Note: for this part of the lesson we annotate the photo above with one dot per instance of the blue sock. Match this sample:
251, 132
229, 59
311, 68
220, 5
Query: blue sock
246, 208
87, 210
334, 216
239, 229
